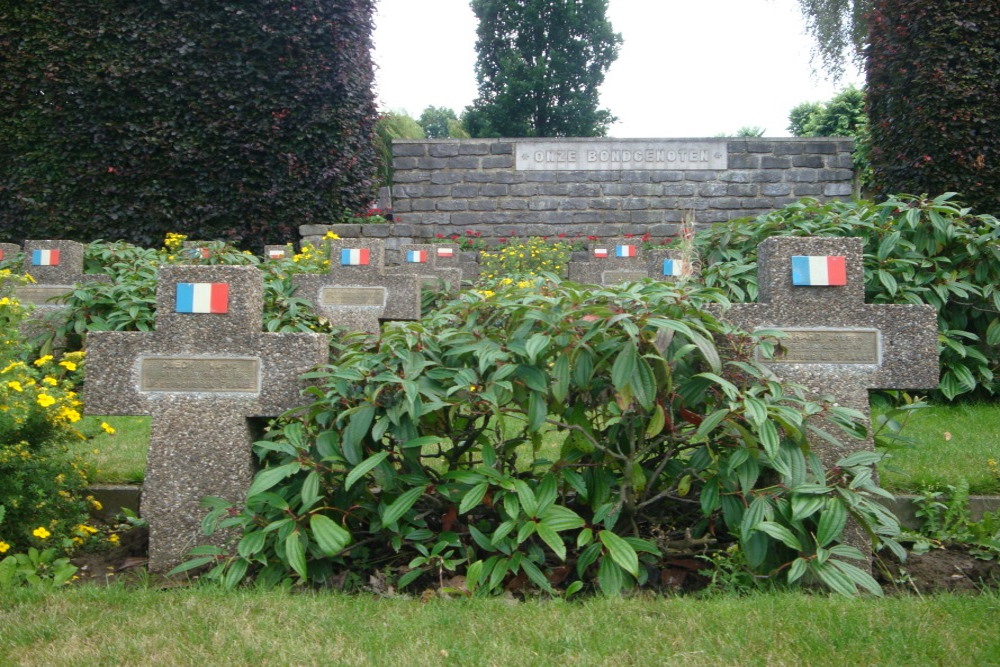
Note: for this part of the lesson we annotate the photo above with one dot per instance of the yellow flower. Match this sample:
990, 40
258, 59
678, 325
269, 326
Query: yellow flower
15, 385
96, 504
331, 236
68, 365
70, 415
84, 528
114, 539
108, 428
45, 400
51, 381
41, 533
4, 547
41, 361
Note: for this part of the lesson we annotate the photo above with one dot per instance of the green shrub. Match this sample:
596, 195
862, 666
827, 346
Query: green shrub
238, 121
41, 498
553, 436
524, 259
917, 250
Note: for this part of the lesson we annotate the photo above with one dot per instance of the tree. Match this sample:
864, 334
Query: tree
840, 31
436, 120
539, 66
933, 74
393, 125
843, 116
236, 120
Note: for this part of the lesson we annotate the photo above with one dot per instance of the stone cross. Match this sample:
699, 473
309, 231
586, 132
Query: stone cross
277, 252
421, 260
611, 261
358, 292
670, 265
813, 289
8, 251
206, 369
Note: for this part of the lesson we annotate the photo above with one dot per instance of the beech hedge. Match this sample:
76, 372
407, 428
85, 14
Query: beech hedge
933, 72
228, 120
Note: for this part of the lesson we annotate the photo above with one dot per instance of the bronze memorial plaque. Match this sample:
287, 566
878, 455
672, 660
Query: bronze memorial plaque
39, 296
352, 296
615, 277
200, 374
828, 346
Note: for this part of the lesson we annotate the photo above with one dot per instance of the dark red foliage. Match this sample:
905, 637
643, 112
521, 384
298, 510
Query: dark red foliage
933, 76
235, 120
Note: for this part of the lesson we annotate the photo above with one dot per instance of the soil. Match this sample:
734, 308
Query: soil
937, 571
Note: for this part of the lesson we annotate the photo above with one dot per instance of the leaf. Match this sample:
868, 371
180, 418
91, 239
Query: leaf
536, 576
527, 498
769, 439
536, 344
330, 536
831, 522
551, 538
624, 367
408, 577
805, 505
268, 477
358, 426
401, 505
251, 543
621, 552
235, 574
560, 518
610, 578
779, 532
362, 468
858, 576
472, 575
656, 422
473, 497
295, 553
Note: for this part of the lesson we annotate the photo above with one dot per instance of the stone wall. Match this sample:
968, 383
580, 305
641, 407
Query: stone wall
606, 187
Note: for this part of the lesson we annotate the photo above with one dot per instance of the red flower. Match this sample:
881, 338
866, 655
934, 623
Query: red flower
502, 240
561, 235
645, 237
628, 236
591, 238
439, 236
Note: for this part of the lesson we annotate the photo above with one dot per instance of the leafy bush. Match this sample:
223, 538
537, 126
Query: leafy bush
917, 250
555, 436
524, 258
128, 302
236, 121
41, 492
933, 69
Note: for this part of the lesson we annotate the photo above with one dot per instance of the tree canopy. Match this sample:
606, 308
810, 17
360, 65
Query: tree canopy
539, 66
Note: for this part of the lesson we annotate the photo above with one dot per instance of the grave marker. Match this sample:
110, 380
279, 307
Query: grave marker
835, 343
278, 252
8, 251
611, 261
422, 260
201, 374
358, 291
669, 265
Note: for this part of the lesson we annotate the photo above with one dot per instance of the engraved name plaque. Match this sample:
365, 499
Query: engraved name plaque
39, 296
615, 277
200, 374
352, 296
828, 346
532, 155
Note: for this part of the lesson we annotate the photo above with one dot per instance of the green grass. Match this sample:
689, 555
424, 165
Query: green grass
118, 458
951, 442
91, 625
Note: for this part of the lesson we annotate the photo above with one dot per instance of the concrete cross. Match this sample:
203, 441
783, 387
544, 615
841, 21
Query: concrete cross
357, 292
205, 370
813, 289
611, 261
422, 260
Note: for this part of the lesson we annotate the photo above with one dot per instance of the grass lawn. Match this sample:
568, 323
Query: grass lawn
91, 625
952, 442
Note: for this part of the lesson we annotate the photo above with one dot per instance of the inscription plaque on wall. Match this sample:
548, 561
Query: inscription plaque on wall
613, 155
352, 296
200, 374
828, 346
40, 296
615, 277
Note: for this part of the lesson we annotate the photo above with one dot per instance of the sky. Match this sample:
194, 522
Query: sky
686, 68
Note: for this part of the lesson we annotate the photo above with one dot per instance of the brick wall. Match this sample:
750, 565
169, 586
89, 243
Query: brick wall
447, 186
